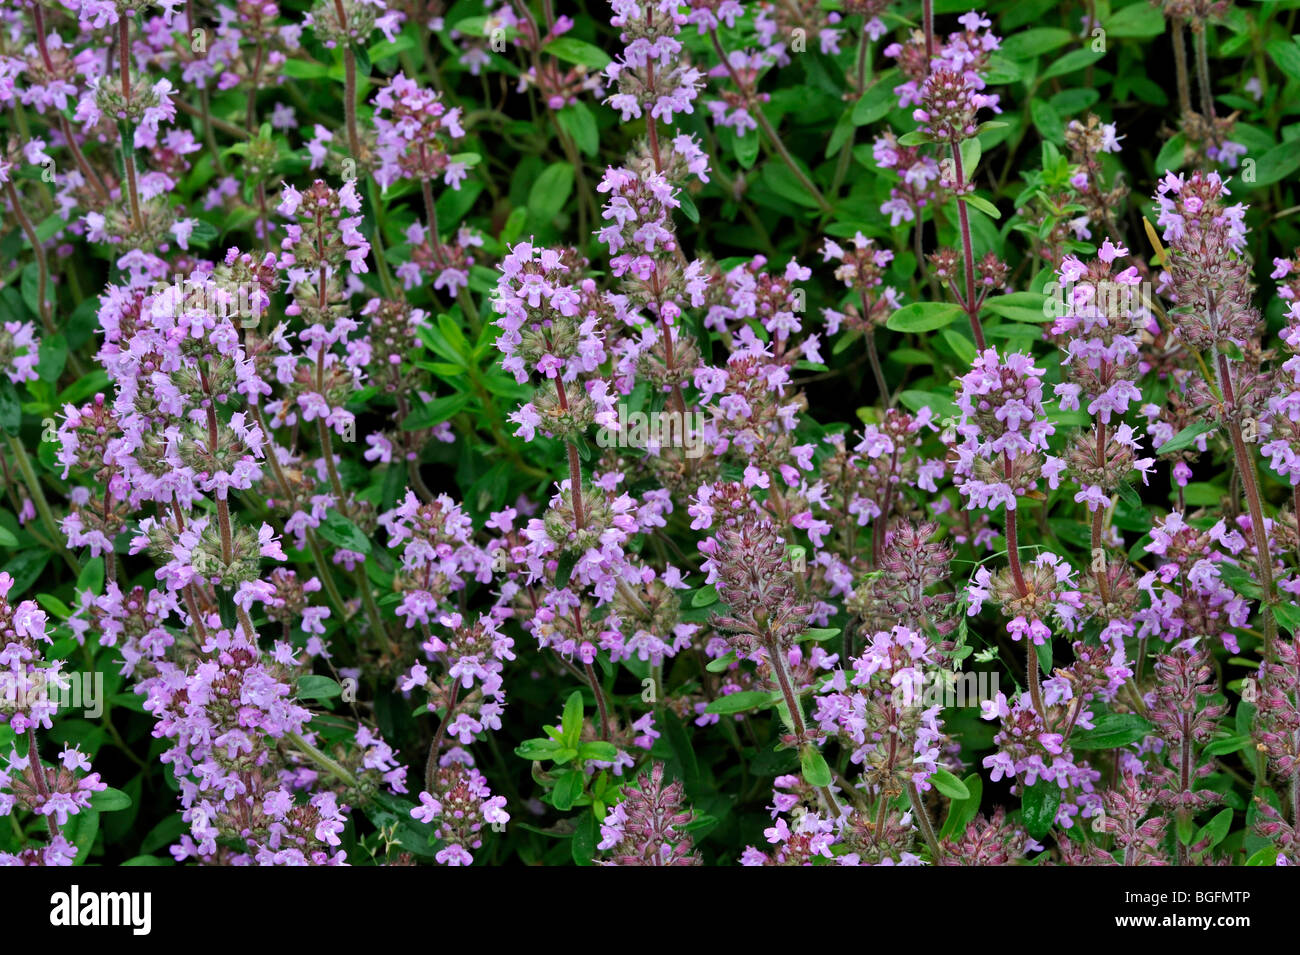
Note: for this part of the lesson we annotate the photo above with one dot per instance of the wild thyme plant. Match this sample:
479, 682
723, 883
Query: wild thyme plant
656, 432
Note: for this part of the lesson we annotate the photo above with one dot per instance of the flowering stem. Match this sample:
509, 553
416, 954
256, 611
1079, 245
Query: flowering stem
1184, 775
968, 252
251, 107
38, 250
873, 356
372, 611
670, 352
1098, 518
1203, 70
575, 486
38, 776
223, 520
927, 23
349, 84
778, 664
322, 430
601, 705
923, 819
1250, 485
575, 469
1013, 552
1017, 574
431, 765
320, 758
192, 604
377, 245
783, 680
128, 150
1295, 509
1180, 69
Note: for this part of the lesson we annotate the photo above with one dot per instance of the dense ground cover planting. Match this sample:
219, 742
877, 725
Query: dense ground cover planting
781, 433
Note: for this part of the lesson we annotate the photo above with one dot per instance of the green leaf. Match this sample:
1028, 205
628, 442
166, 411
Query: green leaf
971, 151
814, 767
25, 569
598, 750
705, 596
92, 576
786, 184
949, 785
1287, 614
1239, 579
1286, 55
578, 122
746, 149
30, 287
110, 800
1186, 438
962, 811
84, 387
1029, 307
1111, 731
688, 207
514, 226
1038, 807
537, 749
1265, 856
362, 57
81, 830
1140, 19
721, 664
54, 605
385, 49
1222, 747
962, 346
564, 568
1074, 60
1215, 830
341, 532
53, 357
572, 719
923, 317
583, 846
573, 50
1047, 120
1029, 43
1231, 350
983, 205
550, 192
7, 538
435, 412
818, 634
877, 101
1172, 155
313, 687
567, 790
1274, 166
738, 702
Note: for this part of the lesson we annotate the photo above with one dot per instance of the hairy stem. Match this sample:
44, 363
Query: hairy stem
968, 252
